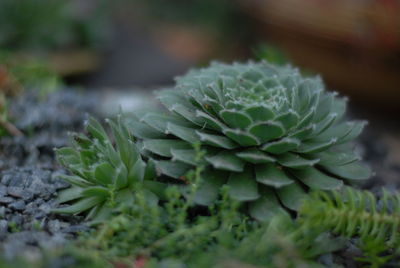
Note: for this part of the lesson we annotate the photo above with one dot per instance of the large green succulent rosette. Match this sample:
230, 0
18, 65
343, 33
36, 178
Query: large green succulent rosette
269, 133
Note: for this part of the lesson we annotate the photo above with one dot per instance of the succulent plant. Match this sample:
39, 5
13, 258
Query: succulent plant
104, 175
269, 133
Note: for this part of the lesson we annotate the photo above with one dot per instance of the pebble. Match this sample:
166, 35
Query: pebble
29, 172
19, 205
6, 200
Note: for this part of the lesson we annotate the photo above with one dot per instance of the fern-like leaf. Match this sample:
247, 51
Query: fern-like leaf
358, 214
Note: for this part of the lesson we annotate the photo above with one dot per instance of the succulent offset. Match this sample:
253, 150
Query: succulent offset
269, 133
104, 175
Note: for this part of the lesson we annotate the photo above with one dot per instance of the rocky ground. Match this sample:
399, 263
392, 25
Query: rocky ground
28, 171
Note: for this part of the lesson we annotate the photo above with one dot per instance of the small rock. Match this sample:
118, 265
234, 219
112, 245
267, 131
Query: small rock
46, 208
6, 200
3, 227
6, 178
3, 190
17, 192
2, 212
18, 205
54, 226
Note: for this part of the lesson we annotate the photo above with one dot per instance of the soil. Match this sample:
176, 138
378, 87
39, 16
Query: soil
29, 183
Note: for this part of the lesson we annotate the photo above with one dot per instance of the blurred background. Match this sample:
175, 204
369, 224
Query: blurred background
143, 44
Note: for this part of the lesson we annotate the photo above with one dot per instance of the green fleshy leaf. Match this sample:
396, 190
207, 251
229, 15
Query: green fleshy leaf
339, 106
255, 156
241, 137
150, 171
186, 156
281, 146
260, 113
242, 186
324, 106
266, 131
163, 147
151, 198
158, 188
312, 146
69, 194
171, 97
80, 141
127, 153
185, 133
354, 133
125, 196
160, 121
104, 173
187, 113
272, 175
96, 129
352, 171
172, 169
317, 180
306, 120
336, 158
216, 140
288, 119
325, 124
75, 180
68, 156
137, 172
226, 161
98, 214
121, 177
265, 207
209, 189
303, 133
80, 206
142, 130
211, 122
235, 119
96, 191
291, 196
296, 161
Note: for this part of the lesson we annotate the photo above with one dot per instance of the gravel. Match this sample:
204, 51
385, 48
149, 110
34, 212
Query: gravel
28, 172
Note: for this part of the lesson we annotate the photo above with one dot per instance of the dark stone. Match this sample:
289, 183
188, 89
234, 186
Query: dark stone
18, 205
54, 226
2, 212
3, 227
17, 192
6, 200
3, 190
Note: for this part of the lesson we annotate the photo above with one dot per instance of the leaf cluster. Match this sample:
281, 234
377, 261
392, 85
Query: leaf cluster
268, 133
104, 175
357, 214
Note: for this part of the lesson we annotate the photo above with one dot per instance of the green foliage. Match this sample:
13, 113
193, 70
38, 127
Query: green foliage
267, 132
271, 54
357, 214
175, 234
28, 73
104, 175
47, 24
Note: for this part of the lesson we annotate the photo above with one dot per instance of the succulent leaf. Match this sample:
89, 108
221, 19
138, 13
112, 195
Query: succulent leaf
271, 131
104, 175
